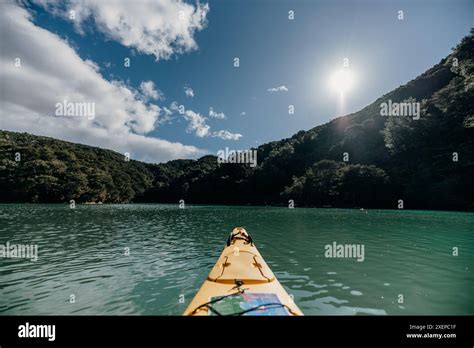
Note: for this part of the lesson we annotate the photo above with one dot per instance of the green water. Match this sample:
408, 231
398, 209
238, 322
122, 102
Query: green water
82, 252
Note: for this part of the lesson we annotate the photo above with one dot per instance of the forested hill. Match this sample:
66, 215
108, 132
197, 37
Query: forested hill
427, 162
41, 169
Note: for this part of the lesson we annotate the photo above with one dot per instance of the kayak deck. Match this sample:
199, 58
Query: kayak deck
241, 283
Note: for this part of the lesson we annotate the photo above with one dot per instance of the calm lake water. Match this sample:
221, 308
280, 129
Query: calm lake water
82, 252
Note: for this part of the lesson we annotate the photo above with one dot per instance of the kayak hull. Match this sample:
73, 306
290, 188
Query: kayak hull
240, 270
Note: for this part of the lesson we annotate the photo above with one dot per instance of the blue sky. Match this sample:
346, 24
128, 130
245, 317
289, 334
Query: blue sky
301, 54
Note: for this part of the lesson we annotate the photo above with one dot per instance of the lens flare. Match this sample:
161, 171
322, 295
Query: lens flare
342, 81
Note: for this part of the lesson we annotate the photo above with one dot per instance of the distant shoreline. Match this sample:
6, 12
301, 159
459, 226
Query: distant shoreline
244, 206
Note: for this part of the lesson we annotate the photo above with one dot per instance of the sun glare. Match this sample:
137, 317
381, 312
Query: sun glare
342, 81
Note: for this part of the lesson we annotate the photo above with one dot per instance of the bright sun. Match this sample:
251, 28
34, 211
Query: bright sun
342, 81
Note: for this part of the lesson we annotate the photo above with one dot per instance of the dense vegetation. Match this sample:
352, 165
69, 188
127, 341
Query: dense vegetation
428, 163
40, 169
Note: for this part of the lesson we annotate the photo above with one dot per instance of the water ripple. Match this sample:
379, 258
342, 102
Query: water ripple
82, 252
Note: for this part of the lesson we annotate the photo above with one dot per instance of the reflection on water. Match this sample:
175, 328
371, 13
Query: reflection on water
82, 253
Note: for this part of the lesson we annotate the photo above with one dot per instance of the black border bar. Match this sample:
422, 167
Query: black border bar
313, 330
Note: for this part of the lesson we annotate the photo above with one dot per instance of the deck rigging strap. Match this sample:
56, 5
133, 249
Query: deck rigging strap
239, 291
265, 305
208, 304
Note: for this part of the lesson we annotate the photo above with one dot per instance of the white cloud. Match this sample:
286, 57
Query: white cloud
213, 114
243, 113
158, 27
189, 92
197, 123
28, 94
278, 89
149, 90
226, 135
92, 64
167, 112
166, 116
174, 106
